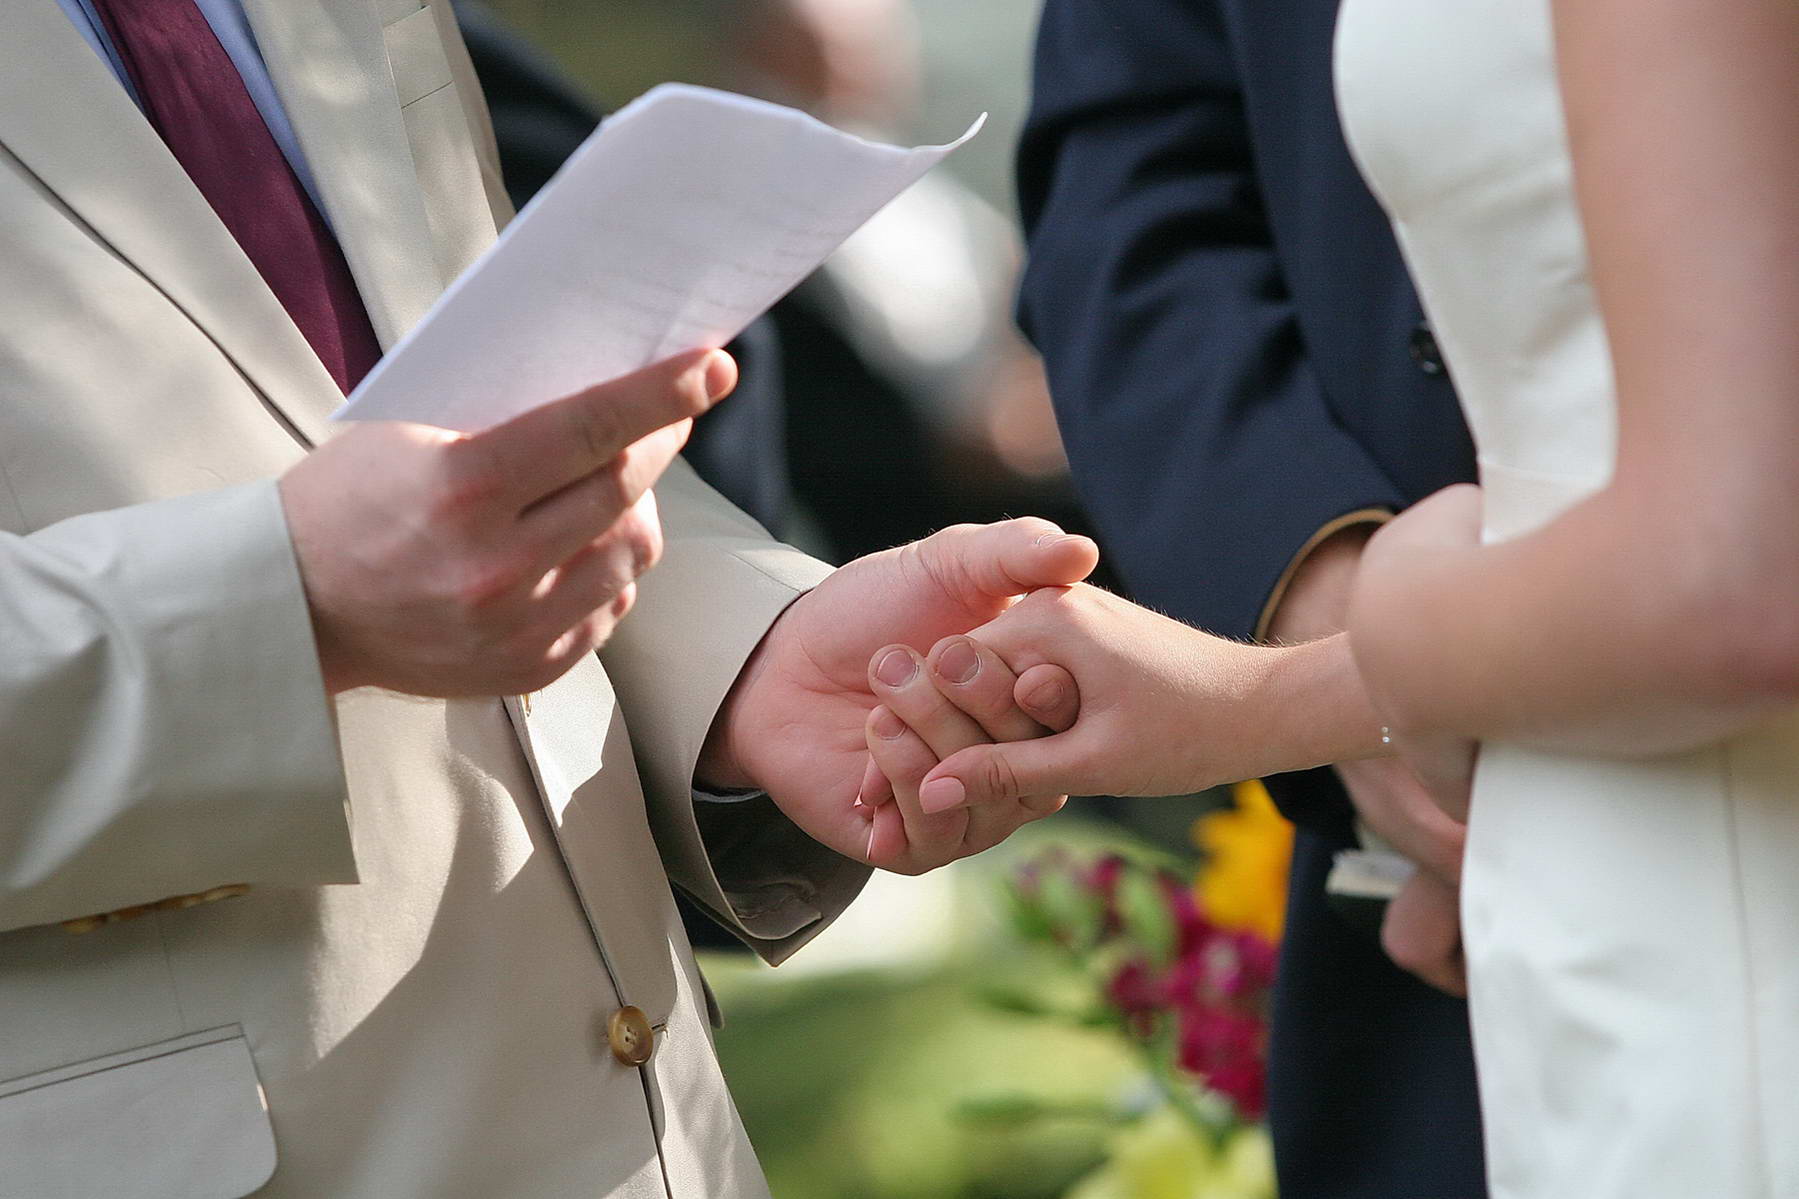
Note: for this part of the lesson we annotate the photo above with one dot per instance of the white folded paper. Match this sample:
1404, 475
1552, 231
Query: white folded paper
679, 221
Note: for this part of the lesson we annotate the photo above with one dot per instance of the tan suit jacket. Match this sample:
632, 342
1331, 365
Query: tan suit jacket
446, 901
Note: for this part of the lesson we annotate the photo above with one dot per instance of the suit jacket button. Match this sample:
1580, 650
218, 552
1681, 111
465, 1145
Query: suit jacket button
1423, 344
629, 1033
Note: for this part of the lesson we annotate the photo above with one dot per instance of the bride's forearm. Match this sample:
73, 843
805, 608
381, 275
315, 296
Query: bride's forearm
1663, 612
1315, 695
1274, 709
1627, 626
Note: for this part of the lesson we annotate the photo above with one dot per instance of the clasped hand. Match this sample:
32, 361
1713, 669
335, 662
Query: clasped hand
1163, 708
1073, 689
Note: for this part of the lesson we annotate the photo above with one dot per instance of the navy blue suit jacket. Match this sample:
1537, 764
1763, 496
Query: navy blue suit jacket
1238, 359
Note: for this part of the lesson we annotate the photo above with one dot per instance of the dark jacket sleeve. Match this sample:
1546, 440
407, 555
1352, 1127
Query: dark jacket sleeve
1198, 432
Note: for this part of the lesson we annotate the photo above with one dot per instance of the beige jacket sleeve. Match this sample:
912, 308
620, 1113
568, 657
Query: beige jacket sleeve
163, 726
701, 612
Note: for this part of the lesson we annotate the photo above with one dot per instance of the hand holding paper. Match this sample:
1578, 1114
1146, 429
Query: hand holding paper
574, 353
439, 564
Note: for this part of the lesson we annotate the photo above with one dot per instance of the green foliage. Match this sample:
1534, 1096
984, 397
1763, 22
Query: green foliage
1161, 1158
1143, 909
1028, 918
1073, 911
867, 1086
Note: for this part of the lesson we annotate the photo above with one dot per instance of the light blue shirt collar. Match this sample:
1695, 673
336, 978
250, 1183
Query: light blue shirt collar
232, 29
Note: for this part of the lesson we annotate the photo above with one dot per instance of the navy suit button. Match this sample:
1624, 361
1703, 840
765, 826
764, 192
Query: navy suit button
1425, 354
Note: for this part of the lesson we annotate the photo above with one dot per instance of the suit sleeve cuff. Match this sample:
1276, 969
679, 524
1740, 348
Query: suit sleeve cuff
1349, 520
181, 739
722, 583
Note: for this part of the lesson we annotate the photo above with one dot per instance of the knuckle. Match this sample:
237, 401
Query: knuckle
533, 678
467, 483
947, 535
596, 429
1397, 947
527, 655
592, 632
632, 551
639, 535
597, 580
1047, 696
481, 586
611, 486
907, 762
992, 706
1000, 779
689, 393
959, 529
653, 546
550, 662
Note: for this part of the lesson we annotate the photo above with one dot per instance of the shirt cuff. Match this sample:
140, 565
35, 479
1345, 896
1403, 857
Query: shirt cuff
733, 796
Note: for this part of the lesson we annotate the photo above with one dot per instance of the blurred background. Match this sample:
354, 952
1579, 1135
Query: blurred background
1080, 1013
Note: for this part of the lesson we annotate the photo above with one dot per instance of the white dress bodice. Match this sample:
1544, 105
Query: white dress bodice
1631, 926
1453, 113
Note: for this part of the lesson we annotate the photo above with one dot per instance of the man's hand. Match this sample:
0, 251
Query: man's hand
1421, 929
444, 564
1390, 800
795, 724
962, 695
1422, 932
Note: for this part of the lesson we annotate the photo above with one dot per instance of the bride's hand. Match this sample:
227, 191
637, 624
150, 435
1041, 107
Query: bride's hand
1164, 708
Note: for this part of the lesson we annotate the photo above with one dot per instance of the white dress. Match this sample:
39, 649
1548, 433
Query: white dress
1632, 928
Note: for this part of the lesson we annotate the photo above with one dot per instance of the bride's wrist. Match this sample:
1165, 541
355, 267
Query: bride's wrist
1316, 705
1261, 710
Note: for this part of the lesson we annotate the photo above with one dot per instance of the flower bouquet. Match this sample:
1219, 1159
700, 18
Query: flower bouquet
1182, 968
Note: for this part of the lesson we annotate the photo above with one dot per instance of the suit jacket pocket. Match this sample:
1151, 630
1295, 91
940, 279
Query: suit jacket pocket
181, 1119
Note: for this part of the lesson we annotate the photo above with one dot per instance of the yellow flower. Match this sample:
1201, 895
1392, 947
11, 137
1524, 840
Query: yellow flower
1248, 847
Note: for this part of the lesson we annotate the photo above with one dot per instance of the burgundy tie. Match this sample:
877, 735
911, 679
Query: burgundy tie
196, 100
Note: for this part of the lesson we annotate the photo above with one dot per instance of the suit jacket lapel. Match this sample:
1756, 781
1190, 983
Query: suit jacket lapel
65, 117
329, 65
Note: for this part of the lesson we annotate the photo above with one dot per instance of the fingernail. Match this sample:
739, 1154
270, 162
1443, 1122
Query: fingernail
721, 375
887, 726
959, 663
869, 853
1046, 538
896, 669
940, 795
1045, 696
